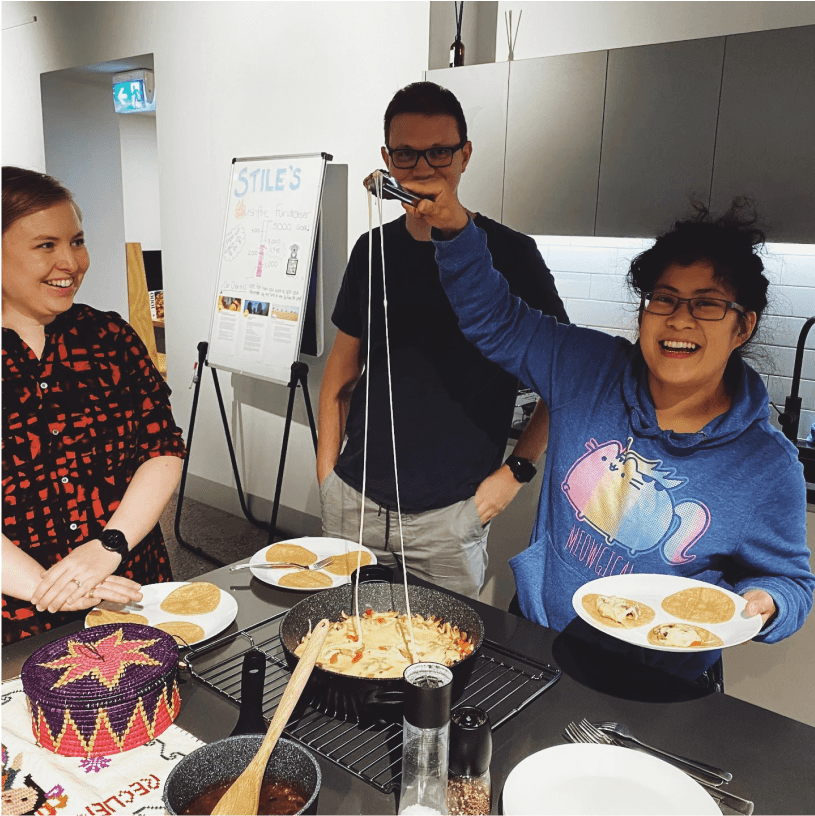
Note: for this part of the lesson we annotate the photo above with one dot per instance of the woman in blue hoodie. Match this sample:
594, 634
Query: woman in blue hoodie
661, 457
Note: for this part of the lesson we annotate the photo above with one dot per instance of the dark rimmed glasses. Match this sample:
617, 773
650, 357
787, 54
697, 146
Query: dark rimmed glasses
405, 158
701, 308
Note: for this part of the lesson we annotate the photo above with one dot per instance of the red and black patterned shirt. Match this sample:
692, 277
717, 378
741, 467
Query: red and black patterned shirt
77, 424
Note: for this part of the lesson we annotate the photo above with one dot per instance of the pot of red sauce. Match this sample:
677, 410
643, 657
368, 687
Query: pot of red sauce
291, 783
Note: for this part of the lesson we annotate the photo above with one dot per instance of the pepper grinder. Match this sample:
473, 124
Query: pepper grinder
425, 739
469, 790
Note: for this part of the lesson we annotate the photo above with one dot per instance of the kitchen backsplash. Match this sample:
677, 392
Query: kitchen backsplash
590, 275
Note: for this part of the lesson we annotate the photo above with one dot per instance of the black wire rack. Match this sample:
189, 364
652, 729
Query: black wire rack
503, 683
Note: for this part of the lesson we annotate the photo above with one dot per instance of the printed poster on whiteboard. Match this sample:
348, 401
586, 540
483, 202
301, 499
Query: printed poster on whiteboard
270, 232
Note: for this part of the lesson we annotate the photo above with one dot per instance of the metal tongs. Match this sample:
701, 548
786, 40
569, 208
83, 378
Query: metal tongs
391, 188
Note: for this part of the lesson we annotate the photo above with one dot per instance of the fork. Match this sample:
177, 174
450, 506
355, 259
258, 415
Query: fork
699, 774
620, 730
317, 565
586, 732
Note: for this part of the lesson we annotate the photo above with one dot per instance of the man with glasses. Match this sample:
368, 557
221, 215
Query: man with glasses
452, 409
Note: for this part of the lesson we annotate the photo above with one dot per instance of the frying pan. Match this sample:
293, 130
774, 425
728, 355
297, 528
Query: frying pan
363, 699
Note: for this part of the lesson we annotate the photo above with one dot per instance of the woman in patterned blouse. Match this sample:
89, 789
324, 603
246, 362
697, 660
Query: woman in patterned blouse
91, 454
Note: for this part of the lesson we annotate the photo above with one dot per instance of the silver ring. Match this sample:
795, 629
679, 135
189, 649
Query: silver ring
78, 583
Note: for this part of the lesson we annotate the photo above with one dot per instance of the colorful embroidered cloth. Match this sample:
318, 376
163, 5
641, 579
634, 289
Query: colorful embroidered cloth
38, 781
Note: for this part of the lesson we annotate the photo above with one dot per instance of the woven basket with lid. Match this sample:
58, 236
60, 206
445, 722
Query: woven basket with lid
103, 690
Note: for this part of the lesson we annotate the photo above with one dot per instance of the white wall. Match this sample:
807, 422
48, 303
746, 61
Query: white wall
548, 28
140, 180
233, 79
81, 143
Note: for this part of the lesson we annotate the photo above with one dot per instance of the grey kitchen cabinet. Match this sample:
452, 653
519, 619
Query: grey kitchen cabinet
554, 127
659, 132
482, 91
765, 143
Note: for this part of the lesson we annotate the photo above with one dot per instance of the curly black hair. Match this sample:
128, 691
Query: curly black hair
730, 244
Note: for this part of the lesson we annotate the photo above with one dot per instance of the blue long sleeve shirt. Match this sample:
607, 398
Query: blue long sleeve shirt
726, 505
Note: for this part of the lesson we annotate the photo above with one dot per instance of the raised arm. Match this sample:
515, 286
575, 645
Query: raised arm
342, 370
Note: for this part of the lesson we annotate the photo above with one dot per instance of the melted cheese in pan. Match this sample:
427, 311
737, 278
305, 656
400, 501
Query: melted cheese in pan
385, 650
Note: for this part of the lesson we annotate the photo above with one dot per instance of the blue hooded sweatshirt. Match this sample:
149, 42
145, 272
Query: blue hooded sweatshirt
726, 505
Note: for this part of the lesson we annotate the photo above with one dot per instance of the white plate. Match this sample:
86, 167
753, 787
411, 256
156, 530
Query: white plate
651, 589
321, 547
599, 779
150, 607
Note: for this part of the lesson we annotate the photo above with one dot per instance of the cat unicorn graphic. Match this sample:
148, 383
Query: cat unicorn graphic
629, 500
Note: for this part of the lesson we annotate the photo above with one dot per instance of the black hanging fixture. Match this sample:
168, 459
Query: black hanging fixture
457, 48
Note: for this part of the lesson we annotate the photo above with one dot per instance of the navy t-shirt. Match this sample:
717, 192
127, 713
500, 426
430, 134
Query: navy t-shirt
452, 407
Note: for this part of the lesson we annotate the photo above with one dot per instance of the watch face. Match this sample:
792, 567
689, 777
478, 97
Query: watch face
114, 540
522, 469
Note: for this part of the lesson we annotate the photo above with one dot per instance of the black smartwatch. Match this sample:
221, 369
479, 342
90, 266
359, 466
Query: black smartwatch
522, 469
115, 541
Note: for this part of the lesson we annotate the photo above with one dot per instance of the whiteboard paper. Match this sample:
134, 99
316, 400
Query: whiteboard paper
270, 232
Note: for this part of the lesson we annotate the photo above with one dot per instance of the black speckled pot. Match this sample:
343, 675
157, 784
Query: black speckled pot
360, 699
228, 758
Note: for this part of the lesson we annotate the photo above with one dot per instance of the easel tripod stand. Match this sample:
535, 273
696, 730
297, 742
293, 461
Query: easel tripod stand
299, 376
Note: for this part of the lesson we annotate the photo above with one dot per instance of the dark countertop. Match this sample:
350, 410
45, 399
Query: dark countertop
771, 757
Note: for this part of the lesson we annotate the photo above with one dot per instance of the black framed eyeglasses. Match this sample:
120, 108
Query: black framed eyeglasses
701, 308
405, 158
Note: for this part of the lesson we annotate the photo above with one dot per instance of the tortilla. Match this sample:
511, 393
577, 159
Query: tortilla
700, 605
645, 616
305, 579
705, 639
292, 553
184, 630
346, 563
193, 599
96, 617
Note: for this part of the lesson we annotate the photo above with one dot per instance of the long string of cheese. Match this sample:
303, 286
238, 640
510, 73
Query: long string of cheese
365, 433
378, 179
412, 645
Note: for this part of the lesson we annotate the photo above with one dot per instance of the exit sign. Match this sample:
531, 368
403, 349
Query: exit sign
133, 92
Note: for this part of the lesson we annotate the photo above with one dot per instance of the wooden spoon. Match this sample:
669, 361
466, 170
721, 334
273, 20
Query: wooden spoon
243, 795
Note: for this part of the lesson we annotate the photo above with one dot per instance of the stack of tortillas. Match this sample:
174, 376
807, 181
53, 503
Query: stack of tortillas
197, 598
342, 564
295, 554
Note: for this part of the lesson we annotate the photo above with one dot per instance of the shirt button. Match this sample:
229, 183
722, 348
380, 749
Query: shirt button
55, 432
64, 480
73, 526
44, 385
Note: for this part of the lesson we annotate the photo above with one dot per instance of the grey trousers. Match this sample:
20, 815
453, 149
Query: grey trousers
447, 547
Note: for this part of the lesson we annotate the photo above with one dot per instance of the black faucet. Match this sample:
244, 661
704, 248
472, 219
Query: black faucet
791, 417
